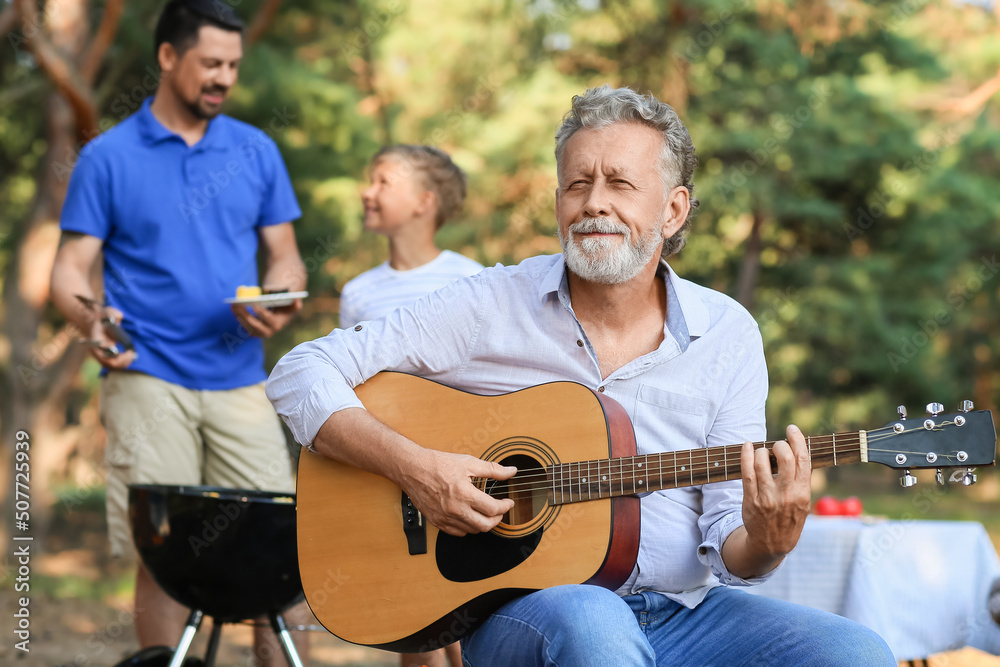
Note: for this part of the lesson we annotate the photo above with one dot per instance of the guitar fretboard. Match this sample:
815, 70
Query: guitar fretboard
608, 478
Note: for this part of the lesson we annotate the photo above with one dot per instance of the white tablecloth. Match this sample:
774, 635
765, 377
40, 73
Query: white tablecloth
922, 585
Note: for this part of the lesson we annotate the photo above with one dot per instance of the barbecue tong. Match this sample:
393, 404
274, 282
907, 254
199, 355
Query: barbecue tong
111, 328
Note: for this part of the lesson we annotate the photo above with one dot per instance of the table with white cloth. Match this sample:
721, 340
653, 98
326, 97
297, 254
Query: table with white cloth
921, 585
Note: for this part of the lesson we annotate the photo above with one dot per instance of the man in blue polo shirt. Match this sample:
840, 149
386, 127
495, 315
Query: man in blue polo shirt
178, 200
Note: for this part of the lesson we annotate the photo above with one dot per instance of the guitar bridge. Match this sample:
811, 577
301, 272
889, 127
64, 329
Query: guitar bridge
414, 527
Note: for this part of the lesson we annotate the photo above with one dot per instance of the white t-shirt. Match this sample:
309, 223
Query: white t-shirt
381, 290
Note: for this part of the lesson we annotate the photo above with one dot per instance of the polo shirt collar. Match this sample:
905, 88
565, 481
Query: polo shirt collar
154, 132
690, 314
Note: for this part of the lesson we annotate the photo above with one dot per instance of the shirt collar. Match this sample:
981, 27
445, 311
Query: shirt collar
692, 308
687, 316
153, 131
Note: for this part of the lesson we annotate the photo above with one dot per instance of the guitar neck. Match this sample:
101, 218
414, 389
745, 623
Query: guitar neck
592, 480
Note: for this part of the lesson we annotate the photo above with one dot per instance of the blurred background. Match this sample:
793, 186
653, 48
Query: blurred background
850, 160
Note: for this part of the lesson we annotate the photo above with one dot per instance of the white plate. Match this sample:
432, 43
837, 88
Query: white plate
276, 300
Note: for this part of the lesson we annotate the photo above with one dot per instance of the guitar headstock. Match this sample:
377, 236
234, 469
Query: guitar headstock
965, 440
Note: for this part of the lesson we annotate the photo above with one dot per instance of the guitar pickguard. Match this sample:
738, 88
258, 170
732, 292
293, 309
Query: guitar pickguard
482, 555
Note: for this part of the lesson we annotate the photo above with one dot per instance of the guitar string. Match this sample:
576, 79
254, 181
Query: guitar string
538, 481
542, 480
621, 463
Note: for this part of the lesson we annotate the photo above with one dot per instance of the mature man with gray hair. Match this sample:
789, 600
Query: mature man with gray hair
685, 362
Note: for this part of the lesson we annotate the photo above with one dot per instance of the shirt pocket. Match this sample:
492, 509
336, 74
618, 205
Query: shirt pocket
668, 421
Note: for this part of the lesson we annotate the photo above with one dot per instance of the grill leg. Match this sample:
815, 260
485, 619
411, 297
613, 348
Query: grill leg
213, 643
280, 629
194, 620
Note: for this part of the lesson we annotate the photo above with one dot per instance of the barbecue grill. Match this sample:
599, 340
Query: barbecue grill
225, 553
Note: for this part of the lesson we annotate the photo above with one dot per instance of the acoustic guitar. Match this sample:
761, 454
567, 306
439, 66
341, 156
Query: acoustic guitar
376, 573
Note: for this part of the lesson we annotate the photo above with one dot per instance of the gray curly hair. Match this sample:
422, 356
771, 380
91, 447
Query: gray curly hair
600, 107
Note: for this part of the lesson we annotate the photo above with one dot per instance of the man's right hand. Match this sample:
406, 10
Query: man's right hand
118, 361
440, 486
438, 483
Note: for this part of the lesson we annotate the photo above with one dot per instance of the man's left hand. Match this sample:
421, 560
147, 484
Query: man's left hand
775, 506
265, 322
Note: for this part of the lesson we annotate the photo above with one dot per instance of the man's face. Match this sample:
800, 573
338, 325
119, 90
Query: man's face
610, 203
202, 77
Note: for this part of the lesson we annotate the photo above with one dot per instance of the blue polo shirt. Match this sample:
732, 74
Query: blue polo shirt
179, 225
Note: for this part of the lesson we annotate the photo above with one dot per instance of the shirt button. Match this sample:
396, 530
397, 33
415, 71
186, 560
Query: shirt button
600, 389
702, 550
358, 328
579, 343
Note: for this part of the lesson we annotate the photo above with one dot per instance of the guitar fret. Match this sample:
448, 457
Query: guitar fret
676, 483
621, 475
555, 472
691, 465
725, 462
660, 456
708, 473
834, 449
579, 480
562, 482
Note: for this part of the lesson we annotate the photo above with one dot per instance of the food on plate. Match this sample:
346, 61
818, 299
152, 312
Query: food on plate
247, 291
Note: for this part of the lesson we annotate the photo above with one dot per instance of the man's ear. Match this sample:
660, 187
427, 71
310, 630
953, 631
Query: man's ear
676, 207
167, 56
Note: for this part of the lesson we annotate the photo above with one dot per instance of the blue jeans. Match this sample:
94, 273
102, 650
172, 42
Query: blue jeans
579, 625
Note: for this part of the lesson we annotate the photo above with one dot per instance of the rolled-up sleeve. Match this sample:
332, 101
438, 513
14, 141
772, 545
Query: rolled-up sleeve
741, 419
432, 336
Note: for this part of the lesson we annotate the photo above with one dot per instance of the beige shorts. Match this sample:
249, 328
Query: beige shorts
162, 433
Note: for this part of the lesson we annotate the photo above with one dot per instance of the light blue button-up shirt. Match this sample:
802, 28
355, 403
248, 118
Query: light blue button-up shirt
508, 328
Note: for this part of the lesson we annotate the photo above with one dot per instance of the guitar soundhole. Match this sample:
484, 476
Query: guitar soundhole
527, 489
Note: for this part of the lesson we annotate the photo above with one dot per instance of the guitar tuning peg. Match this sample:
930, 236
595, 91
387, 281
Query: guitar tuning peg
907, 480
901, 411
940, 476
969, 478
966, 406
934, 409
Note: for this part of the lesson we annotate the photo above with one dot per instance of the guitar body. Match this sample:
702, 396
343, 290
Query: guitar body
365, 577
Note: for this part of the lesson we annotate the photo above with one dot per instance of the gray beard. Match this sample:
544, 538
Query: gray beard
606, 261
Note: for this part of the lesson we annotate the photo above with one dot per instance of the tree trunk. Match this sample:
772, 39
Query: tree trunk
750, 268
36, 384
